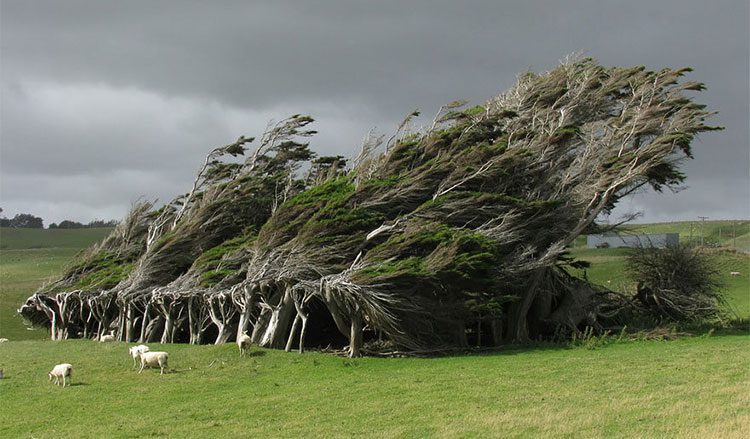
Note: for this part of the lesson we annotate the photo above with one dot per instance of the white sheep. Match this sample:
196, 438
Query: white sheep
3, 340
243, 342
734, 273
61, 371
151, 359
136, 351
108, 337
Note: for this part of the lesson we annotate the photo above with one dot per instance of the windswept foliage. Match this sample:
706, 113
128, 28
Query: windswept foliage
430, 239
677, 283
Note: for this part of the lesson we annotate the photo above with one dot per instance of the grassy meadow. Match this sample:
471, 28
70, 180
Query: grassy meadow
692, 387
697, 386
28, 259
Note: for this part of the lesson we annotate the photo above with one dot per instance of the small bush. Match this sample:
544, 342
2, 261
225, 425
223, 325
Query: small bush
677, 283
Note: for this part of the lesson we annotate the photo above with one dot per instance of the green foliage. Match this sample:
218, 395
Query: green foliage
212, 277
475, 110
386, 182
435, 256
211, 258
565, 133
323, 201
412, 265
334, 222
218, 263
332, 191
103, 270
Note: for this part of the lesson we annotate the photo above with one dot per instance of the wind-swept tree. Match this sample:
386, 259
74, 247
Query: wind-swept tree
430, 237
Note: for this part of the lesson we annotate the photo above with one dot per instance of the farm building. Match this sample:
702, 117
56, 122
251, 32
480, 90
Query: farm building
614, 240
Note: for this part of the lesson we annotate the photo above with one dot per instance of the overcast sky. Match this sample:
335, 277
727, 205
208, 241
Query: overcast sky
105, 102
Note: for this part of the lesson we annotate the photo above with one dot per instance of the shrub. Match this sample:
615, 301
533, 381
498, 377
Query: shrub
677, 283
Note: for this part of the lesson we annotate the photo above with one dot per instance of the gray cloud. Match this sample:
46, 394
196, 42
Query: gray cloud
103, 102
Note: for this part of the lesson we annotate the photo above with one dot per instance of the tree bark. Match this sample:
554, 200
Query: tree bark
302, 334
520, 311
290, 339
279, 322
145, 323
129, 322
356, 339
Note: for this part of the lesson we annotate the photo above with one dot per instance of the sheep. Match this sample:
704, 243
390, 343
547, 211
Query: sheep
152, 359
243, 342
136, 351
734, 273
61, 371
108, 337
3, 340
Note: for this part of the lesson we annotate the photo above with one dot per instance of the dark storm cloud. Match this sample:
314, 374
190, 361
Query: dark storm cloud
126, 97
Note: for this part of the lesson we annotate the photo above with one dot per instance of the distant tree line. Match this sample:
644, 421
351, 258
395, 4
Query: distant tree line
29, 221
67, 224
22, 220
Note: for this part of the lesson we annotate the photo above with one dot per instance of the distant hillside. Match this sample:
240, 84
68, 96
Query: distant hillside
730, 233
21, 239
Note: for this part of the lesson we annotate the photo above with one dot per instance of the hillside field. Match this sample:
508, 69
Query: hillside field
691, 387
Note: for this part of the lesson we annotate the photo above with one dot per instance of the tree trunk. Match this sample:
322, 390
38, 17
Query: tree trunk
166, 336
290, 339
260, 326
336, 313
53, 328
479, 333
153, 329
302, 334
244, 323
278, 323
497, 331
519, 312
195, 321
223, 335
144, 324
129, 323
355, 339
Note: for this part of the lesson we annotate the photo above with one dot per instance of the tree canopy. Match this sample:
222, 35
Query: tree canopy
428, 239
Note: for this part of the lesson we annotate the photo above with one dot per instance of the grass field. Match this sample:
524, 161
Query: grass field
608, 269
691, 387
23, 239
735, 234
28, 259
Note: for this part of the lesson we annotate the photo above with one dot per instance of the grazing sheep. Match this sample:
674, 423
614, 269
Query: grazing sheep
61, 371
243, 342
3, 340
136, 351
151, 359
734, 273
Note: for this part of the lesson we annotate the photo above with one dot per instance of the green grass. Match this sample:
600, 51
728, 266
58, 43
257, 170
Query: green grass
28, 259
21, 273
691, 387
730, 233
696, 387
19, 239
608, 269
